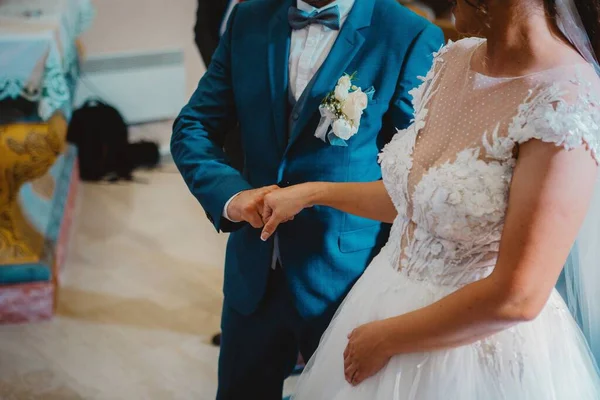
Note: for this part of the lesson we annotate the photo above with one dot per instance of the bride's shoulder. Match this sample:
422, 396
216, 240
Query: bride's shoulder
454, 54
568, 86
562, 107
460, 49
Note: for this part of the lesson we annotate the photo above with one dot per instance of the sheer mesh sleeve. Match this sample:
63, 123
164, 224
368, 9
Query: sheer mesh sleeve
451, 51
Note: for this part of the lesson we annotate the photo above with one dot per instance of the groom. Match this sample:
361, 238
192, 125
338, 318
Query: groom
275, 64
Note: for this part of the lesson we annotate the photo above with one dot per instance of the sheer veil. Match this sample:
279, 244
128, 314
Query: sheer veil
582, 270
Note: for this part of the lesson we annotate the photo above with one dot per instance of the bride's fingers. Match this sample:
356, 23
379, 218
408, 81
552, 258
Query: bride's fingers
350, 372
349, 369
266, 213
270, 227
356, 378
349, 359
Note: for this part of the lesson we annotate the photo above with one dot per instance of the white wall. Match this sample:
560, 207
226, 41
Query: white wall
146, 25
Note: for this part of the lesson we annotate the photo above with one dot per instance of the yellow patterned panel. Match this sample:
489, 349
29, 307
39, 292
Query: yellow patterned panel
27, 151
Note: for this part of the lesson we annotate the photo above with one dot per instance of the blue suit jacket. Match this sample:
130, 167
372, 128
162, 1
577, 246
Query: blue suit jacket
323, 251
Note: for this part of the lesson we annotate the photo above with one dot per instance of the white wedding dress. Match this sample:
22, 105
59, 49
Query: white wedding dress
449, 176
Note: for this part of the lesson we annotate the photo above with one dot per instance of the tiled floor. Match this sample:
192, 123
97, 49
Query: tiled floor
140, 299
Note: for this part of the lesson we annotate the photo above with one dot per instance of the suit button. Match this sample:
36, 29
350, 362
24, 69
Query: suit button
296, 116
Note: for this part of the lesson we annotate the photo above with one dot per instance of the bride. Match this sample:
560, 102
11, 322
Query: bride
488, 191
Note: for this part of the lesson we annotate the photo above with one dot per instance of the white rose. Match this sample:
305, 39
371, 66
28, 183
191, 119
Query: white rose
341, 94
345, 83
343, 88
342, 129
355, 104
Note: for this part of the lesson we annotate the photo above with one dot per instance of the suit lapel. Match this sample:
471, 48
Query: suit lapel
279, 50
350, 40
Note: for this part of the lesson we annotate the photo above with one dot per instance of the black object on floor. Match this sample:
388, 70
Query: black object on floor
144, 154
102, 138
216, 340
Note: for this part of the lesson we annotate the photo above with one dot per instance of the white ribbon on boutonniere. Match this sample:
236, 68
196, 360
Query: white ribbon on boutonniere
341, 111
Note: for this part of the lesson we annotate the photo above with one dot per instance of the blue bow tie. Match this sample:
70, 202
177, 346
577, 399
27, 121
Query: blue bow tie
301, 19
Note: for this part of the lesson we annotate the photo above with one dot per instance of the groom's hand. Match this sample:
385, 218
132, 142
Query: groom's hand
248, 206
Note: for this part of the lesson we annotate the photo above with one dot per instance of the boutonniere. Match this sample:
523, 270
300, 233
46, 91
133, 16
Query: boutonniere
341, 111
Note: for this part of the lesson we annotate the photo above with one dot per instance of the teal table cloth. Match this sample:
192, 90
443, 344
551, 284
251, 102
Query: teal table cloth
38, 51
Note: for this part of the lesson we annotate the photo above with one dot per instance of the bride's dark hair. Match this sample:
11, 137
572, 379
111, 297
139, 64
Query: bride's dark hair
589, 10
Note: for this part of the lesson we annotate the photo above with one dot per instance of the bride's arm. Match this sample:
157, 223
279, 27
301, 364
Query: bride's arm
549, 196
369, 200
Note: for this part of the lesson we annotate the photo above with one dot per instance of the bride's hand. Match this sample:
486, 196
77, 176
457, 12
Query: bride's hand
366, 353
283, 205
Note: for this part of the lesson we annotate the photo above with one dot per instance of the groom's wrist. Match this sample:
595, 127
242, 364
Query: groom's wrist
226, 214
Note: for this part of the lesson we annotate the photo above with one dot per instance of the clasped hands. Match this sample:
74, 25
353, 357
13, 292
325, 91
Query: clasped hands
267, 208
270, 206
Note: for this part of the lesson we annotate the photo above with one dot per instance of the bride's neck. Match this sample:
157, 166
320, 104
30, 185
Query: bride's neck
520, 41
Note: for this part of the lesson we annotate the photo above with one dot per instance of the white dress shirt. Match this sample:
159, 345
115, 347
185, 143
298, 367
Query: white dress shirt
230, 6
309, 48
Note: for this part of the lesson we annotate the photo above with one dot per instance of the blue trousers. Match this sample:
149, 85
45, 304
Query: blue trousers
259, 351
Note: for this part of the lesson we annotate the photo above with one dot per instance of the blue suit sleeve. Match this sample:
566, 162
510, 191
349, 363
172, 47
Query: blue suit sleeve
199, 133
417, 63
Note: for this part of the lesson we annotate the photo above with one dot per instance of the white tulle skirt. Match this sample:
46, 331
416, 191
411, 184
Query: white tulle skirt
547, 359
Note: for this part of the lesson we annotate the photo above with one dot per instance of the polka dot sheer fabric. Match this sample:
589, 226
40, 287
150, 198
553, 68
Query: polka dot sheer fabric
449, 174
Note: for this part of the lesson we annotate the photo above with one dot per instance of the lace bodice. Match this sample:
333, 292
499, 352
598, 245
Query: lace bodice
449, 173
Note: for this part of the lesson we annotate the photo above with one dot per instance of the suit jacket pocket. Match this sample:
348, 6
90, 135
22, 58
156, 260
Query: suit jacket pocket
360, 239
